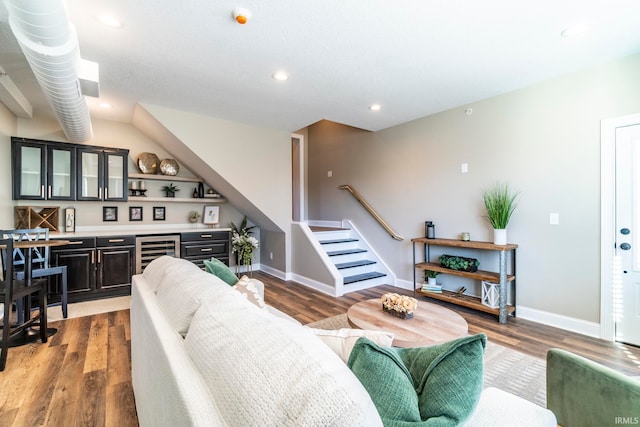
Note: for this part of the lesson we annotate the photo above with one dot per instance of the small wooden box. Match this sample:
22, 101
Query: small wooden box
26, 217
401, 314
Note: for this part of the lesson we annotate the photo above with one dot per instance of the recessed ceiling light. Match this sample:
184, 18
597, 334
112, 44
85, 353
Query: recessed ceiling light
574, 31
375, 107
281, 76
110, 21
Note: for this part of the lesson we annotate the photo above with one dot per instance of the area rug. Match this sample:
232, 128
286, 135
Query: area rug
504, 368
88, 308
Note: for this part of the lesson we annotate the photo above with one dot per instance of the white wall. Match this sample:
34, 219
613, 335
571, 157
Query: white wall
544, 140
8, 127
254, 163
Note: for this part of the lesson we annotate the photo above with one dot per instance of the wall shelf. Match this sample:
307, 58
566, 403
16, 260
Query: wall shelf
156, 177
205, 200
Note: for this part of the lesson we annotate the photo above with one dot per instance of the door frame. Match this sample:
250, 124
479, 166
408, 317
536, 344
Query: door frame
610, 270
298, 177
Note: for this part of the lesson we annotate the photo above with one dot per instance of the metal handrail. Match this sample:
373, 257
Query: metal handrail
372, 211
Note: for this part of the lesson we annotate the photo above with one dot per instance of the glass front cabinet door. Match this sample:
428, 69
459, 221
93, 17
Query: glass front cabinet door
102, 174
61, 173
115, 178
43, 171
90, 170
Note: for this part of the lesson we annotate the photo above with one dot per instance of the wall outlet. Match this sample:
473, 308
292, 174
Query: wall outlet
464, 168
554, 218
329, 174
270, 255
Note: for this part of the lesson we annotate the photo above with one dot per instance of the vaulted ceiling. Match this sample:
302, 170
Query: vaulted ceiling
413, 57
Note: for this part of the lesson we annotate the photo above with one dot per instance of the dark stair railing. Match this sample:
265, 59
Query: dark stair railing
372, 211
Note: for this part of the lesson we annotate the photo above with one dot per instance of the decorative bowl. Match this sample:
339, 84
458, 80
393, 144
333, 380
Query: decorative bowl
169, 167
148, 163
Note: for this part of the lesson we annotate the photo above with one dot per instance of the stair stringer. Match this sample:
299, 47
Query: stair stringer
334, 287
382, 267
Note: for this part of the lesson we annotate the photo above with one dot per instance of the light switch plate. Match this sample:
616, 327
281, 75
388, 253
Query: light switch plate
554, 218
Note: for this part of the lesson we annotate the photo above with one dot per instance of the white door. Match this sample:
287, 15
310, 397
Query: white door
626, 297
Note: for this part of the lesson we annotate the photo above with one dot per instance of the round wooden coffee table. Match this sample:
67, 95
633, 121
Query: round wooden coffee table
431, 324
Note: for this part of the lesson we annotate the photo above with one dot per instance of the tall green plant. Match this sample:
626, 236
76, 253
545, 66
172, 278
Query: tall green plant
500, 202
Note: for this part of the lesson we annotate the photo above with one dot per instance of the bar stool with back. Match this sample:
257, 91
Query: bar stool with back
12, 291
39, 260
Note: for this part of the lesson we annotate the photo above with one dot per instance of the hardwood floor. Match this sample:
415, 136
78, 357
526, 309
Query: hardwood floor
82, 375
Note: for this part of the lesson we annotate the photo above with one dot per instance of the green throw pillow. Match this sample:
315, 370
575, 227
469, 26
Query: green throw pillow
425, 386
220, 269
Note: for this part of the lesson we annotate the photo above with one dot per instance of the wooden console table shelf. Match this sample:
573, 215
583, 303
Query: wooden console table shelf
501, 277
465, 301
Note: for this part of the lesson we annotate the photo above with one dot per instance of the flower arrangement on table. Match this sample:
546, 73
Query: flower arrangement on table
243, 244
399, 305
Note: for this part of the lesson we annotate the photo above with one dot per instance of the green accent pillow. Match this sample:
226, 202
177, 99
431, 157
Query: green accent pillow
220, 269
424, 386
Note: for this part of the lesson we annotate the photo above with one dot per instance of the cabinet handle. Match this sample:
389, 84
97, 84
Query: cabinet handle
77, 242
99, 256
99, 192
49, 192
115, 240
206, 235
93, 257
42, 191
106, 193
206, 250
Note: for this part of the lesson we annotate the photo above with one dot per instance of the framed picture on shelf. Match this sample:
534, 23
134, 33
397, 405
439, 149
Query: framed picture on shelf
159, 213
211, 215
109, 213
135, 213
70, 220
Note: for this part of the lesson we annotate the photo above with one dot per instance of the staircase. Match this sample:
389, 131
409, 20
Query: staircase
356, 263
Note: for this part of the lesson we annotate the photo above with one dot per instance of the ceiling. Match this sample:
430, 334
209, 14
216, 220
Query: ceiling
413, 57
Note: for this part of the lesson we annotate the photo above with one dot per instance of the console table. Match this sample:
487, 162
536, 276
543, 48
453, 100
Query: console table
501, 277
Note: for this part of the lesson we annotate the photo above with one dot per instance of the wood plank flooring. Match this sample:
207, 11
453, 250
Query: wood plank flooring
82, 376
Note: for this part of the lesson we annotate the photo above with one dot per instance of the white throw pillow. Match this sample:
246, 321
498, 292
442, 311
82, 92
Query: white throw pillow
341, 341
263, 371
249, 291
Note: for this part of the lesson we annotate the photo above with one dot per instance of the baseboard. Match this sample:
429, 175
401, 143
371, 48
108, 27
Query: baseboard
314, 284
274, 272
567, 323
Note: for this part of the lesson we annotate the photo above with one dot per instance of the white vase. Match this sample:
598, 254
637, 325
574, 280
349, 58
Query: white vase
431, 281
499, 236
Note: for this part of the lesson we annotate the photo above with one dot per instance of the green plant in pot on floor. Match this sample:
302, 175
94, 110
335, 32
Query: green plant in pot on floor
243, 244
499, 202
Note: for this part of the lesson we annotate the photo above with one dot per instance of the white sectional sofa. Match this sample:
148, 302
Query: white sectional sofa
202, 355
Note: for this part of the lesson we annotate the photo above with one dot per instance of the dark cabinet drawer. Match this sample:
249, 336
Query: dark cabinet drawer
215, 249
204, 236
82, 243
109, 241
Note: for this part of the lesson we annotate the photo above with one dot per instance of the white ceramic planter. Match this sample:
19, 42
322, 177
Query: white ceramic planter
500, 236
431, 281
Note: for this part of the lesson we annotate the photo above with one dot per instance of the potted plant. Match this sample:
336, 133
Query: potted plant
430, 277
170, 190
243, 244
499, 202
459, 263
194, 216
